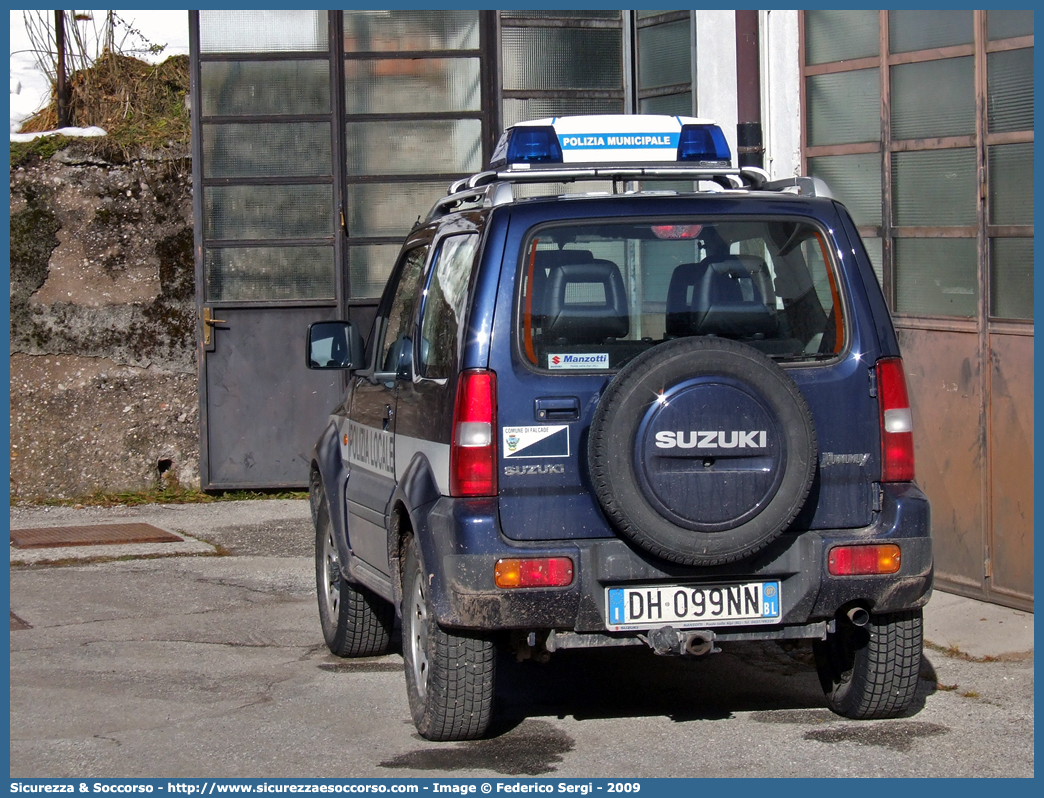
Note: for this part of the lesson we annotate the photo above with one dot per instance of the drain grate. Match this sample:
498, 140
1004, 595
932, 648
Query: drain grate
96, 535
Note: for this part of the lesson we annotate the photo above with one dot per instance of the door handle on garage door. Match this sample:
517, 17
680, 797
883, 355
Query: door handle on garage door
208, 323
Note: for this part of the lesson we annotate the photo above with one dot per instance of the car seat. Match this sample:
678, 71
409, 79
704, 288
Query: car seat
585, 303
731, 297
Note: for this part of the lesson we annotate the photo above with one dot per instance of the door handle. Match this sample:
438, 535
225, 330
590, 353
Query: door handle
388, 413
557, 408
208, 324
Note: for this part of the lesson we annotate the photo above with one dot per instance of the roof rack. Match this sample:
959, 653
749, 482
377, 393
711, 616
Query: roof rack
490, 188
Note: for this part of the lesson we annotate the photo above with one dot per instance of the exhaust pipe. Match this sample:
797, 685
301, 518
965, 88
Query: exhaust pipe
857, 616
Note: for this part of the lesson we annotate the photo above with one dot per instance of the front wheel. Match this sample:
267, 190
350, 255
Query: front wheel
449, 674
872, 671
356, 621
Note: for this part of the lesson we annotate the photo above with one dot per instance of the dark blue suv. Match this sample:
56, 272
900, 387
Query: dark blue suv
670, 418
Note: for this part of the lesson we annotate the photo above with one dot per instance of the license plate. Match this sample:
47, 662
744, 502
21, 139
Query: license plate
691, 606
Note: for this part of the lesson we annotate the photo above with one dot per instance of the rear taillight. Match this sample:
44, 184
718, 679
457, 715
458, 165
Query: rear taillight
897, 449
533, 572
473, 455
882, 558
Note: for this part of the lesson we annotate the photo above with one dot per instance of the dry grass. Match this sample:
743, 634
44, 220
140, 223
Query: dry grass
139, 104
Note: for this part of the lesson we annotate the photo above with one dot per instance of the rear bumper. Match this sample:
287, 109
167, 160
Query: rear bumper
462, 542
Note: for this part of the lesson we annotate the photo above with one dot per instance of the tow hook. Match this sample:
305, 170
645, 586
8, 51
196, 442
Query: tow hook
668, 641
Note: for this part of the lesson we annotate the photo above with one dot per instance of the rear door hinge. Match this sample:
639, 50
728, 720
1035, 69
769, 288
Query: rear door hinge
873, 381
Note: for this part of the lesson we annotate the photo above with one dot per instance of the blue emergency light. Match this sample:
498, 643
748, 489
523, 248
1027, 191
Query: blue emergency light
533, 145
704, 143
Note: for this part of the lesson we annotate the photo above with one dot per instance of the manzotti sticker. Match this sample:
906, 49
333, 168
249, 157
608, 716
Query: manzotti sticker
523, 442
716, 439
586, 361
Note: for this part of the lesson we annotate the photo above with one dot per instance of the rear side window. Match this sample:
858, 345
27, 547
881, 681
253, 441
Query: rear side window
445, 303
594, 295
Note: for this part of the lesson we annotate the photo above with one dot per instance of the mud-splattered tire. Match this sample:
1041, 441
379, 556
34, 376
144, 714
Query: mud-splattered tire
356, 621
449, 674
871, 672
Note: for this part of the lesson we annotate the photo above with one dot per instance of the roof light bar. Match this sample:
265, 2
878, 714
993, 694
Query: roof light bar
622, 139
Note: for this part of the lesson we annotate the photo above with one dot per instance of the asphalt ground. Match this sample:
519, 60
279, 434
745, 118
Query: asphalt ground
205, 658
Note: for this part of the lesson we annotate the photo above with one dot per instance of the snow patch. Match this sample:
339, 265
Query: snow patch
71, 132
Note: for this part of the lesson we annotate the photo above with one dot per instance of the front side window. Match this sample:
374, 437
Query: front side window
400, 314
595, 295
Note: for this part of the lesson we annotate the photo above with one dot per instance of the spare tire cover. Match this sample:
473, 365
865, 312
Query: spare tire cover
702, 451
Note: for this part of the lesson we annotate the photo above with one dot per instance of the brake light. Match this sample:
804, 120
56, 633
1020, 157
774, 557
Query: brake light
897, 449
534, 572
863, 560
473, 455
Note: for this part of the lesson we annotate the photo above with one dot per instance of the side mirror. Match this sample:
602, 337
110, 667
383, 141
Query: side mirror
334, 345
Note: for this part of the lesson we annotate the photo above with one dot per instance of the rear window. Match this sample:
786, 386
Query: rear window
595, 295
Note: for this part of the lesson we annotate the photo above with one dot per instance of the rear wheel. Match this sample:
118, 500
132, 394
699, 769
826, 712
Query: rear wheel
449, 674
871, 671
356, 621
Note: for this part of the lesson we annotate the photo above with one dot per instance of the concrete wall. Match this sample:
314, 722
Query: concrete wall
103, 373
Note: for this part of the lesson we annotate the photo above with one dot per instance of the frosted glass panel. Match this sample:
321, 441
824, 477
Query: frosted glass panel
1011, 278
250, 212
562, 58
924, 30
844, 108
416, 85
546, 12
375, 31
407, 148
262, 31
936, 276
1011, 184
390, 209
270, 273
1010, 92
541, 108
267, 150
875, 249
368, 268
840, 35
235, 88
669, 104
935, 188
856, 181
1008, 24
933, 99
664, 55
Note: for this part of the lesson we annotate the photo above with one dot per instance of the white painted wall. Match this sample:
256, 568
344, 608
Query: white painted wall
716, 71
780, 92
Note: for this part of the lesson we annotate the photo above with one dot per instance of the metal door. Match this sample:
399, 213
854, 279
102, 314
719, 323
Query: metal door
263, 409
268, 238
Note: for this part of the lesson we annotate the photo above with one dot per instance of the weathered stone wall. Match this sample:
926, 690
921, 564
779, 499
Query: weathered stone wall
103, 364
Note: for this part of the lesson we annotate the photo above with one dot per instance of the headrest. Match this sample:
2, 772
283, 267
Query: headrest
585, 303
730, 296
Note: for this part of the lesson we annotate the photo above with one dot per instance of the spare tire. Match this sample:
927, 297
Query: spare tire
702, 451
